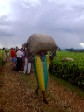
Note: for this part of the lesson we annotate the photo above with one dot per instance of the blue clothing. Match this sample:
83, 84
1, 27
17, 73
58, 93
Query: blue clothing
14, 60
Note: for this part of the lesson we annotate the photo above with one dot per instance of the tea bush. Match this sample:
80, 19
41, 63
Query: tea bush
72, 71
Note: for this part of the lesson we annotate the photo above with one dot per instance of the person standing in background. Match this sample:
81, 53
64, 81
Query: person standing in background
28, 59
19, 55
4, 57
25, 61
13, 58
23, 58
29, 62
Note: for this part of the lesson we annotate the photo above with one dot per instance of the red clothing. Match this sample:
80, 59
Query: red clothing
13, 53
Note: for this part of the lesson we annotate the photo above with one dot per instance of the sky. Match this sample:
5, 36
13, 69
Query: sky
63, 20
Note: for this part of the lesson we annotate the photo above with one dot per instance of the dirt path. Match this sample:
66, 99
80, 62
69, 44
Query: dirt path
17, 95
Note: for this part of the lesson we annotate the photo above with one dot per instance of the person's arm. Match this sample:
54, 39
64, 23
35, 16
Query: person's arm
52, 55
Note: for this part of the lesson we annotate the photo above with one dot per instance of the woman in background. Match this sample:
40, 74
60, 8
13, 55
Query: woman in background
13, 58
4, 56
19, 55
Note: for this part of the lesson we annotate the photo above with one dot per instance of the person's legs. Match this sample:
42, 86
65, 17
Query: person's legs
43, 93
25, 68
20, 64
44, 98
29, 68
32, 67
17, 65
14, 63
25, 65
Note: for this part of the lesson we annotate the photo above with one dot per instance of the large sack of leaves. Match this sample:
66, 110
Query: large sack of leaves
37, 42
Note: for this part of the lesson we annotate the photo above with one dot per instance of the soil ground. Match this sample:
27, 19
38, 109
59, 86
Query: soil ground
17, 94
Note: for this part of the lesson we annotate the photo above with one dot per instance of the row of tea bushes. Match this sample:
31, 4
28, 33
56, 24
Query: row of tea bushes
72, 71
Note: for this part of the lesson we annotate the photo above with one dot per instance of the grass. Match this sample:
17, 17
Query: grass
69, 86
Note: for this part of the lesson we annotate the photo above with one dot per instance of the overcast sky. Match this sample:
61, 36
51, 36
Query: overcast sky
61, 19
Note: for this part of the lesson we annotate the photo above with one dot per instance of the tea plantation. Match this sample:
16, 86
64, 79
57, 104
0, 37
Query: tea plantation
69, 70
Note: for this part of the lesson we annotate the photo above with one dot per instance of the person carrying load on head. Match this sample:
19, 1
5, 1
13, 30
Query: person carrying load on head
42, 61
39, 45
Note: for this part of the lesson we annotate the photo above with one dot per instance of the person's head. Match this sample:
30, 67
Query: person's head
3, 48
22, 49
17, 48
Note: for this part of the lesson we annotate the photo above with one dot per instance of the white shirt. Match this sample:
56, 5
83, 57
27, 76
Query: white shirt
19, 53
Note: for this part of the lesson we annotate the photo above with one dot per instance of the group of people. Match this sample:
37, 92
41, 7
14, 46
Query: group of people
21, 60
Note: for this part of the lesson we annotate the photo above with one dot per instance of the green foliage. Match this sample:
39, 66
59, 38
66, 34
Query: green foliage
72, 71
